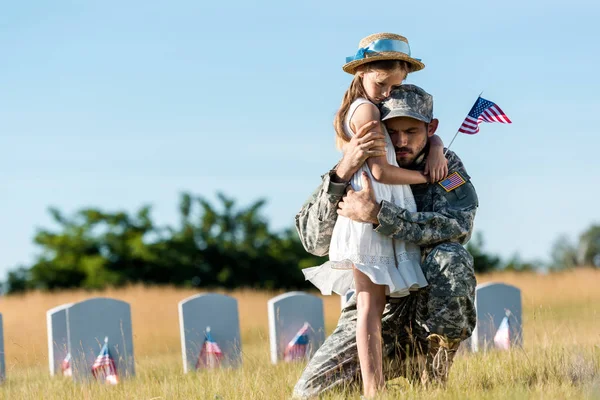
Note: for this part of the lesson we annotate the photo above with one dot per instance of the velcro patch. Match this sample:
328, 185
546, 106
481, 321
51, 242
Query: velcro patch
452, 181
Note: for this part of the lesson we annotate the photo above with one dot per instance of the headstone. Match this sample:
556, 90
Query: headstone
56, 322
288, 313
345, 298
213, 316
494, 301
88, 324
2, 364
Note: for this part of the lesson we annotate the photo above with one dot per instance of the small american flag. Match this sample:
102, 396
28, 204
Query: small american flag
65, 366
104, 367
297, 348
210, 355
502, 337
483, 111
452, 181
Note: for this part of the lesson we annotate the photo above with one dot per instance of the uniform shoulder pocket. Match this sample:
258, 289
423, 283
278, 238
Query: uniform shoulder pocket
459, 191
463, 197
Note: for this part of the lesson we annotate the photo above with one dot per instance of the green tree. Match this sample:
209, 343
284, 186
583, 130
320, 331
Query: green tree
18, 281
589, 246
213, 245
516, 264
563, 254
91, 249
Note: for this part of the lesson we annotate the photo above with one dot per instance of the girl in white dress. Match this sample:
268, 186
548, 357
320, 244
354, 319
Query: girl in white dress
360, 258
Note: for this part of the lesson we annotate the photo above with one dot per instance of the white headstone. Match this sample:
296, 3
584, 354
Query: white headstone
287, 314
217, 312
2, 364
88, 323
492, 302
346, 297
56, 321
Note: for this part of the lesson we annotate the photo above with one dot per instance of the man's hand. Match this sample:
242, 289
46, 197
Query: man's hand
360, 206
367, 142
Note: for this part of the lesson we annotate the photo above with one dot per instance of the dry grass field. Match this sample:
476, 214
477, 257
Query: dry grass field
560, 358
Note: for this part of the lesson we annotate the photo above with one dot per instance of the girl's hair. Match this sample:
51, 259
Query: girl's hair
356, 90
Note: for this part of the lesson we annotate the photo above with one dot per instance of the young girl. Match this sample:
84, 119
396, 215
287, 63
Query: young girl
360, 258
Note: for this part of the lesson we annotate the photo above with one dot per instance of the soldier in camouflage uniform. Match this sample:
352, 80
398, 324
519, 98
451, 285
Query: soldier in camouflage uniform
420, 332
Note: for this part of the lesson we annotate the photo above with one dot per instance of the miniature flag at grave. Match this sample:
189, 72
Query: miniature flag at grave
65, 366
502, 337
104, 367
210, 355
297, 348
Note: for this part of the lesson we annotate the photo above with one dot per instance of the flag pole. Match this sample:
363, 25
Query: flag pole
456, 134
452, 141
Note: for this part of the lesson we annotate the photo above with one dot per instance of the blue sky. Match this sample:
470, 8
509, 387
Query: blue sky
119, 104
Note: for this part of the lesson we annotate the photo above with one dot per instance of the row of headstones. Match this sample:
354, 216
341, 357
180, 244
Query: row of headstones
75, 331
296, 319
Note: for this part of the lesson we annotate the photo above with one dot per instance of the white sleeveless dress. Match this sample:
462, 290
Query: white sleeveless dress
385, 261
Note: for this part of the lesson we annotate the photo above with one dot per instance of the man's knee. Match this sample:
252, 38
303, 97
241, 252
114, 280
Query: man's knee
310, 383
335, 363
304, 390
449, 271
451, 291
326, 370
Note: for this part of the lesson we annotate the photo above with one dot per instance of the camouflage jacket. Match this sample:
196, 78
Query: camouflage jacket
442, 216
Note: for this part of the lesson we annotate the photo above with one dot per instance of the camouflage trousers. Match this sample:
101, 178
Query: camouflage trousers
446, 307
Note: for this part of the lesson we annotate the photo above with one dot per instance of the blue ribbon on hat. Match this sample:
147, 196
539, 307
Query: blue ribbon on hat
379, 46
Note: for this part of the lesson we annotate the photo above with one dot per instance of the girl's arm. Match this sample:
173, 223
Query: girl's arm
380, 169
436, 165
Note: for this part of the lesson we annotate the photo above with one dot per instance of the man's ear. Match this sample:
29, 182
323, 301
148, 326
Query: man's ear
432, 127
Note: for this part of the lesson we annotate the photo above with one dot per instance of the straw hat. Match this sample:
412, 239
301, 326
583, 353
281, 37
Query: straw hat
382, 46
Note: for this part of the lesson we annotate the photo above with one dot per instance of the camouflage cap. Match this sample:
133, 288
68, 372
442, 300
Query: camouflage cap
408, 101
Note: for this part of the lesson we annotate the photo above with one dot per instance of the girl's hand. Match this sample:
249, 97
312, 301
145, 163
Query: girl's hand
368, 142
436, 165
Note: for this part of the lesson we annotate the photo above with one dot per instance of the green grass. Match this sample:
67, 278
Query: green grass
554, 372
560, 359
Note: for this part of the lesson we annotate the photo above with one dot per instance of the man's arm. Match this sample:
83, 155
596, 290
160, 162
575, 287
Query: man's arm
316, 219
445, 216
450, 221
448, 215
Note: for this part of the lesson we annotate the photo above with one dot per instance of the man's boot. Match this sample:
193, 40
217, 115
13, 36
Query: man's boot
440, 356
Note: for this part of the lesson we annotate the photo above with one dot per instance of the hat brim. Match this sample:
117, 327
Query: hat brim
406, 113
416, 65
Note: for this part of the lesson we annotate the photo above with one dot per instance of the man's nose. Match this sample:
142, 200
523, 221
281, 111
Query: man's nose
401, 140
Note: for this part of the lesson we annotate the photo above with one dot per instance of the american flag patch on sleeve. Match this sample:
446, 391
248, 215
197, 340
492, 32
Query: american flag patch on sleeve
452, 181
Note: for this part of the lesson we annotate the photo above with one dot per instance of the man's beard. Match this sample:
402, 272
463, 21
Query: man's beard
406, 159
411, 156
